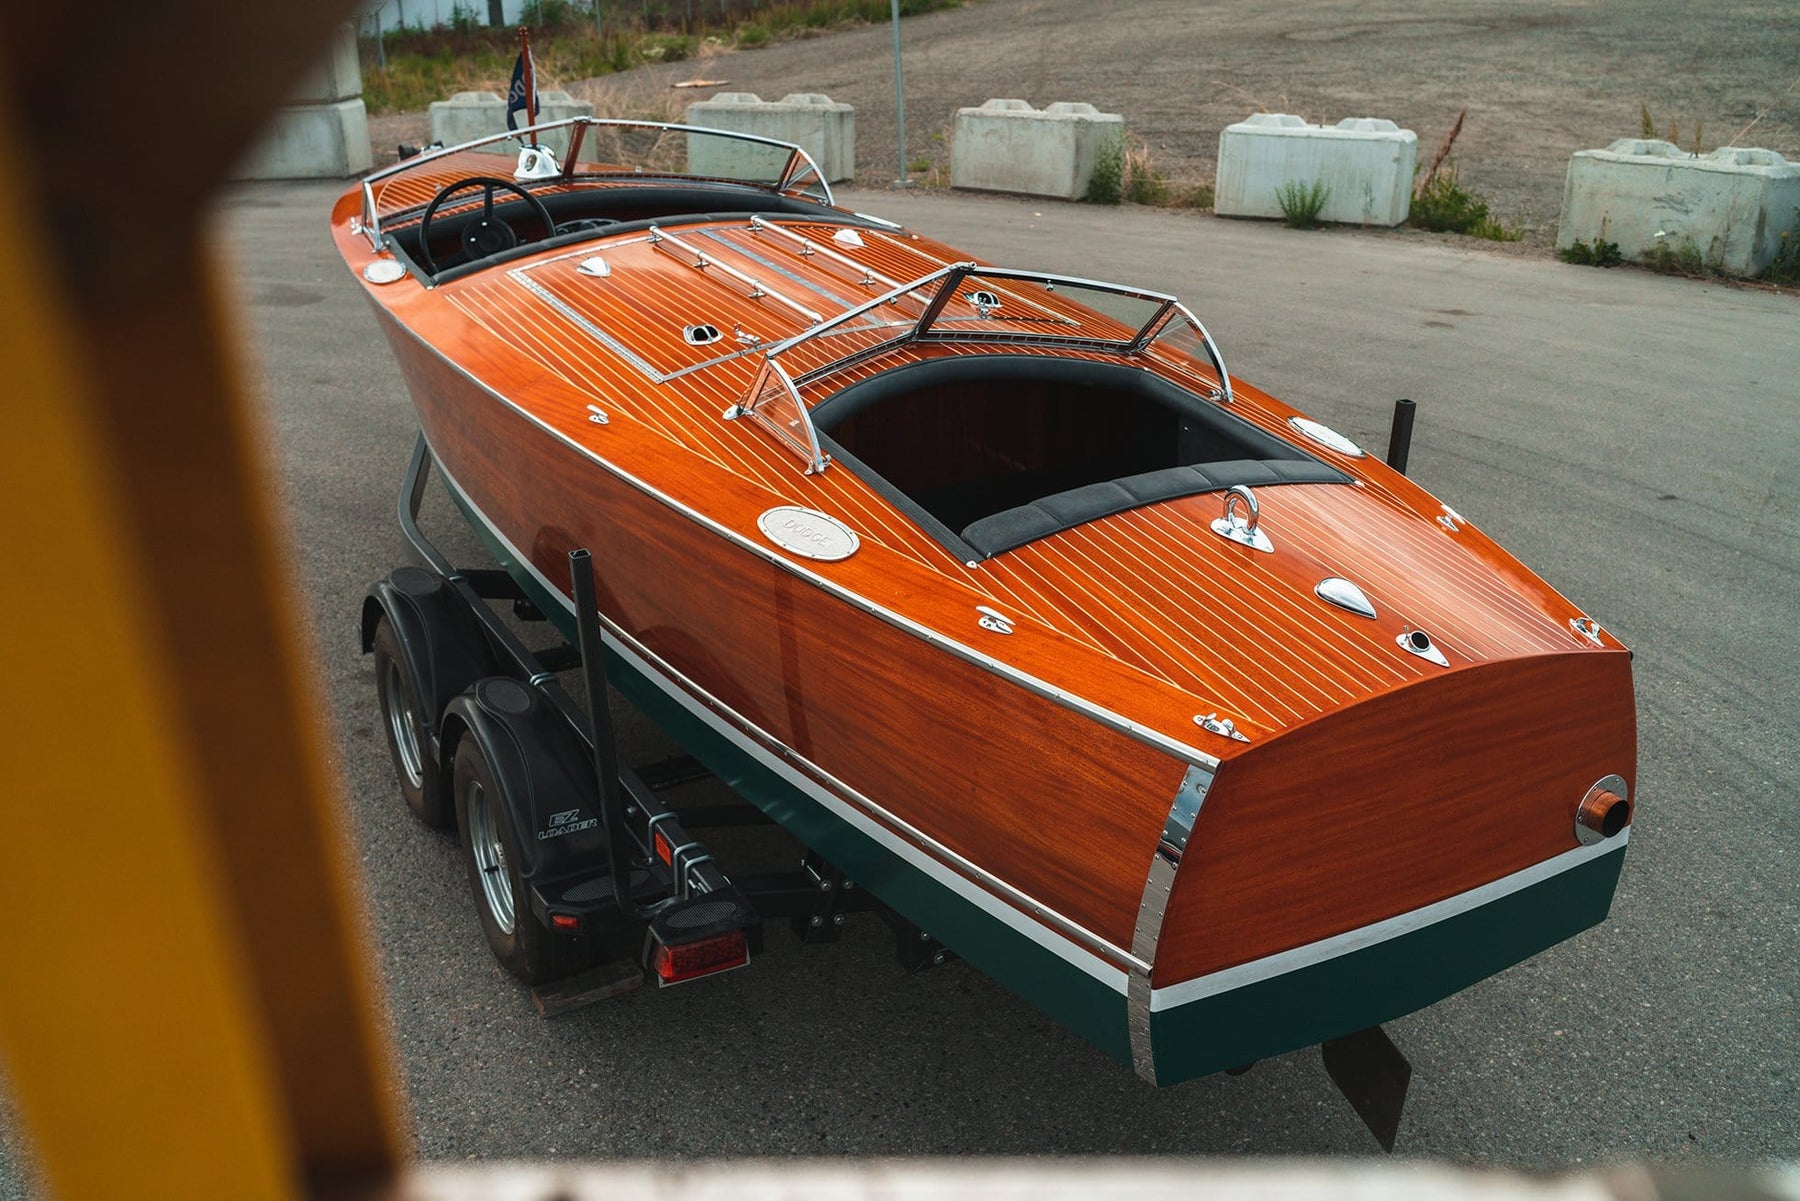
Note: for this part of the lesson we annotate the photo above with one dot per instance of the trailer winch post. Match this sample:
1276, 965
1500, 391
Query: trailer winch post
1400, 435
606, 750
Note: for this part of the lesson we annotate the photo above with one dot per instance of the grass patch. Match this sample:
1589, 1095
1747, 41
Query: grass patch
1785, 267
572, 41
1125, 172
1675, 258
1598, 253
1301, 203
1192, 196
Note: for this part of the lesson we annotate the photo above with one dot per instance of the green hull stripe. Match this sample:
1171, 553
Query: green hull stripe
1380, 982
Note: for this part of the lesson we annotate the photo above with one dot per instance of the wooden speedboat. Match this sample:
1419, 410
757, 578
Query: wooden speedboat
1177, 713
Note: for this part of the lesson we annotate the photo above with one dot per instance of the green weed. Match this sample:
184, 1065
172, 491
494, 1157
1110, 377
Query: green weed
1443, 205
1647, 129
1107, 184
1301, 203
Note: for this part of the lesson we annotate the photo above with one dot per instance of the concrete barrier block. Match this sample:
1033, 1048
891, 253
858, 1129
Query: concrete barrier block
1006, 145
470, 115
1367, 163
467, 116
311, 141
1733, 204
335, 75
816, 123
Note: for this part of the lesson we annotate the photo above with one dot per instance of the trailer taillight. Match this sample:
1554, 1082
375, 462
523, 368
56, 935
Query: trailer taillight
689, 961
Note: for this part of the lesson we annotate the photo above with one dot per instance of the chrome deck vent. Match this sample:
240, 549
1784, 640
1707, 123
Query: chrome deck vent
1327, 437
1336, 590
1418, 642
703, 334
596, 266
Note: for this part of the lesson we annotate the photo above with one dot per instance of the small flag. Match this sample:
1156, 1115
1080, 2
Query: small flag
523, 92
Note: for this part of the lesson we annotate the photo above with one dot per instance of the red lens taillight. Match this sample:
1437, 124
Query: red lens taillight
689, 961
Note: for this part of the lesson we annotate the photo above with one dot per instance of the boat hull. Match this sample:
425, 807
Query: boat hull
765, 677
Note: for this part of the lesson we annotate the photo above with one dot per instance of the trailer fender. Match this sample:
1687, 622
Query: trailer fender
542, 768
443, 649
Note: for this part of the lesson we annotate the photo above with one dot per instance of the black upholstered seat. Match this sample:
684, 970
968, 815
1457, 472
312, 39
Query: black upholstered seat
1015, 527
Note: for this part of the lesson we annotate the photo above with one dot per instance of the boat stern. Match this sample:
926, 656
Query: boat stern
1378, 859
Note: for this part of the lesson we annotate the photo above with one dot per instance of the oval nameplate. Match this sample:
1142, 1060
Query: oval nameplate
808, 533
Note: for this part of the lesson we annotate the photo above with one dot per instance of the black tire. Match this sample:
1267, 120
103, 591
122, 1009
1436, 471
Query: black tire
490, 851
403, 720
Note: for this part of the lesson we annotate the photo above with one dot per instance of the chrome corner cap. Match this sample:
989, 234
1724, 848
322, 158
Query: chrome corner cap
1178, 828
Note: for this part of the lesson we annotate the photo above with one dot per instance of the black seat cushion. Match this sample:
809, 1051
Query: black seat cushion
1013, 528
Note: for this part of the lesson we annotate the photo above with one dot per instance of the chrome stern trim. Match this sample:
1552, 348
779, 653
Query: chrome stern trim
1184, 810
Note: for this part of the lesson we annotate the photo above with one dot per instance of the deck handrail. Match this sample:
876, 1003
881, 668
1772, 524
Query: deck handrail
795, 172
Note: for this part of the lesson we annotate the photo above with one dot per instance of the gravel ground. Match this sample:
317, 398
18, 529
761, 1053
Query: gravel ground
1540, 81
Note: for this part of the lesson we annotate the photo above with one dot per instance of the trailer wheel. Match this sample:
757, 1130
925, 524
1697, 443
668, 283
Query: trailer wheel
404, 721
490, 846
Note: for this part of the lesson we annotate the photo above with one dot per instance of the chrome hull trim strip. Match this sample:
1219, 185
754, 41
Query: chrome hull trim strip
1106, 717
1037, 921
1243, 974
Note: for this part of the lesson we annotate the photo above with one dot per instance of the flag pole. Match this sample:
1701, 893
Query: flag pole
530, 76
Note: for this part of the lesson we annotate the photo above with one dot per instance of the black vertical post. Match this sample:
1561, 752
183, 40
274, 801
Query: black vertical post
1400, 436
606, 750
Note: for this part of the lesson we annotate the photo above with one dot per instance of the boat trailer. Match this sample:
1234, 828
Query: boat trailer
589, 879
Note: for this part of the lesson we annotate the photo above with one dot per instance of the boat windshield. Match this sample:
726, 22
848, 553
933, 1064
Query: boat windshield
588, 149
965, 303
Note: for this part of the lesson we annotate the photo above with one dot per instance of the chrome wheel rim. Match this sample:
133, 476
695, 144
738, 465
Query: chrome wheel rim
403, 726
490, 856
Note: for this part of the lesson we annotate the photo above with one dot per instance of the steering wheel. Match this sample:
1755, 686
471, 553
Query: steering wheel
486, 234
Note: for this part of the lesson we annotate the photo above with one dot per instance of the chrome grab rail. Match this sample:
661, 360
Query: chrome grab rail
701, 261
807, 248
794, 176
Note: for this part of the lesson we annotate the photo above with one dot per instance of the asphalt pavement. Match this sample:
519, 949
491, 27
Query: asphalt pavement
1635, 439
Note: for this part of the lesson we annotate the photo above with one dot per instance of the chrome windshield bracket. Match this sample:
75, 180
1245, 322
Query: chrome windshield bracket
775, 404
